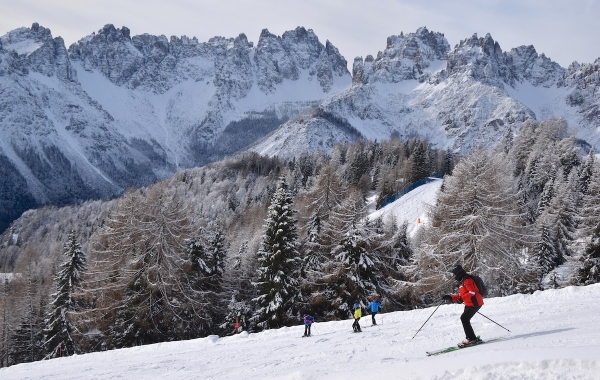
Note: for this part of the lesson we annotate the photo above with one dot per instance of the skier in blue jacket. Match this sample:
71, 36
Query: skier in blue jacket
374, 307
308, 321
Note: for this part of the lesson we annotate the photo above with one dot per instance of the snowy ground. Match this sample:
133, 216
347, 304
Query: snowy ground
555, 334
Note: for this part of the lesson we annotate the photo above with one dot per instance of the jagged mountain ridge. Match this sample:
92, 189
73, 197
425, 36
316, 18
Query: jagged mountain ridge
114, 111
460, 98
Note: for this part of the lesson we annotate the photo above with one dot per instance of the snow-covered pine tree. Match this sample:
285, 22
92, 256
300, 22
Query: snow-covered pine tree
27, 339
562, 215
352, 274
544, 255
278, 259
420, 162
58, 340
586, 173
217, 252
590, 204
589, 273
237, 310
313, 252
547, 193
357, 276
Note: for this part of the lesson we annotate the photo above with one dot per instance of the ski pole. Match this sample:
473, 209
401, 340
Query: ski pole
427, 319
495, 322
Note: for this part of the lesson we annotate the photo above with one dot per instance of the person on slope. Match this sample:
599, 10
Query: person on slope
357, 315
308, 321
469, 294
374, 307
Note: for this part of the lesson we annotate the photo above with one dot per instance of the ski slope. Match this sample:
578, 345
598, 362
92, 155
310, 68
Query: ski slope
555, 334
412, 207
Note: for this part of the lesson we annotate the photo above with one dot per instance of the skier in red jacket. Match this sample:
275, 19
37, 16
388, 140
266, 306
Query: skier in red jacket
469, 294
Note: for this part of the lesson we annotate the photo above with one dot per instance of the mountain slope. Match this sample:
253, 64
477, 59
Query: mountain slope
115, 111
459, 98
552, 337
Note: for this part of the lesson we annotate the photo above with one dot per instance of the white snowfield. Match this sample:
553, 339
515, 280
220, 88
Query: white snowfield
555, 334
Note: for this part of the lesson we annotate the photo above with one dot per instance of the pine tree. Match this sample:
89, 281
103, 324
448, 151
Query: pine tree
58, 340
421, 165
237, 311
27, 340
217, 253
562, 215
590, 205
545, 258
357, 270
589, 273
277, 283
586, 173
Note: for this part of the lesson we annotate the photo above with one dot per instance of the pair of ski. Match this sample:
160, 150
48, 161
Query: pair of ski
460, 347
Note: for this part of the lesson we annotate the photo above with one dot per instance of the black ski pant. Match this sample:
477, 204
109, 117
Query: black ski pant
373, 317
307, 330
355, 325
465, 318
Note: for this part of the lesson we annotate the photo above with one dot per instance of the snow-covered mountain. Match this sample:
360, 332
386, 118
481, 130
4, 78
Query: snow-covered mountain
551, 337
458, 98
114, 110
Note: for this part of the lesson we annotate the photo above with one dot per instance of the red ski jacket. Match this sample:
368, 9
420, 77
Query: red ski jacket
468, 293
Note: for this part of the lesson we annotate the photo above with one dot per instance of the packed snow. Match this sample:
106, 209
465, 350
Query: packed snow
555, 334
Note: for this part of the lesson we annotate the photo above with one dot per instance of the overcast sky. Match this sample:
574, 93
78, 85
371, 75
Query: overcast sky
565, 30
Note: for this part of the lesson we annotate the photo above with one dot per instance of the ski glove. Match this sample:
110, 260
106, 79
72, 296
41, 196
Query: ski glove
447, 297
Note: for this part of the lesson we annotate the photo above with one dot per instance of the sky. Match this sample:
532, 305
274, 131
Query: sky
565, 30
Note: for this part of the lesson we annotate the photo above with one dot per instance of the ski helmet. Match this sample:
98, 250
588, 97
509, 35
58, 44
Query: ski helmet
356, 306
458, 272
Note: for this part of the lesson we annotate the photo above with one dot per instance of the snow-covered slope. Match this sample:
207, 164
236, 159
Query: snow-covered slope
412, 207
555, 334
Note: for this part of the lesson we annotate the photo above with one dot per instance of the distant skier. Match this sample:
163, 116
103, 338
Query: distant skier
469, 295
357, 315
308, 321
374, 307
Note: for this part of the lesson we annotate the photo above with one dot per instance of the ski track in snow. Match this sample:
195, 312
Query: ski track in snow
555, 335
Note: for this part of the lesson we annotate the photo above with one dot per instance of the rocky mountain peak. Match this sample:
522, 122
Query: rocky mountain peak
35, 49
285, 57
405, 57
